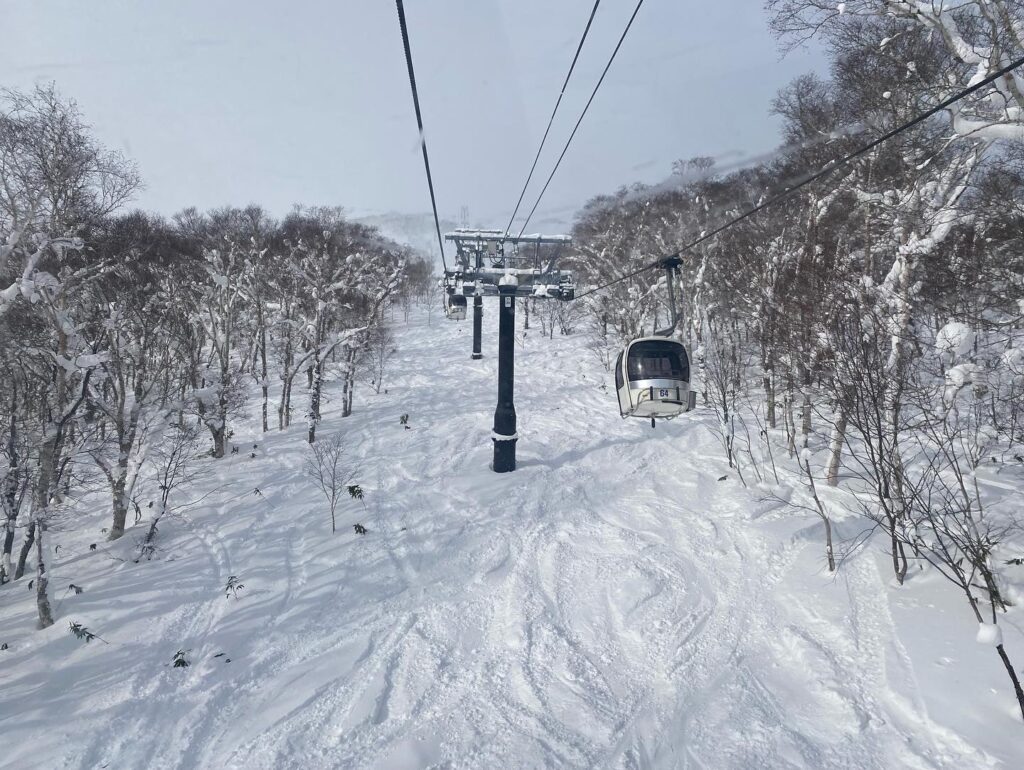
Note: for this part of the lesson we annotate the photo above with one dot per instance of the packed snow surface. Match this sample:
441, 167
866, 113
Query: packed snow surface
610, 604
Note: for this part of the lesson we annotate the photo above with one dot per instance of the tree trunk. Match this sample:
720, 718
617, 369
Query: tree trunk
1013, 677
219, 435
146, 549
287, 375
42, 494
63, 462
287, 404
790, 421
835, 452
284, 407
26, 548
805, 422
828, 545
823, 513
8, 548
10, 492
348, 390
219, 430
120, 503
42, 599
899, 556
263, 373
316, 386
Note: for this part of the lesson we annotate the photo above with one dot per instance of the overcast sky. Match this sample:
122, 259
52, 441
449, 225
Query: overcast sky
277, 102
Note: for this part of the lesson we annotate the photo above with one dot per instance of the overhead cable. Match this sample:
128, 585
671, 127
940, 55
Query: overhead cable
551, 120
582, 115
419, 124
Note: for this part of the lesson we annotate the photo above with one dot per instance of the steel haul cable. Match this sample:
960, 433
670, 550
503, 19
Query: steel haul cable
419, 124
551, 120
582, 115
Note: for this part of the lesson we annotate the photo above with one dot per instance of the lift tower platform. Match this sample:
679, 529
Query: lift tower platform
493, 263
484, 257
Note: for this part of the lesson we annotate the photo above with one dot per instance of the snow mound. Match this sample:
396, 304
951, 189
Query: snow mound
955, 339
1013, 359
989, 634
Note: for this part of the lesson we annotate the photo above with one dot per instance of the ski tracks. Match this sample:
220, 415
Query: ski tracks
864, 670
594, 612
163, 701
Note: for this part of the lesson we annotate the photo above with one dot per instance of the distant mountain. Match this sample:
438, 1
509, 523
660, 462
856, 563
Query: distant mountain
415, 230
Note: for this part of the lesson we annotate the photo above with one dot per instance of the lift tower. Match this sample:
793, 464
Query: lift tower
492, 263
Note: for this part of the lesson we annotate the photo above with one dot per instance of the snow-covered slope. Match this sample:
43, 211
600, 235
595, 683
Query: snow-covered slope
612, 603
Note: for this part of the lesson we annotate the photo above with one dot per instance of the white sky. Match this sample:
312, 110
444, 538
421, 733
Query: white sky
276, 102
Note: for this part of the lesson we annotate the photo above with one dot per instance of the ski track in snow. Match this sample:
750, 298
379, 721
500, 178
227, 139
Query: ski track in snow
610, 604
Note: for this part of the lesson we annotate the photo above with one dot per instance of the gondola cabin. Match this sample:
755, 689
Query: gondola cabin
456, 307
652, 378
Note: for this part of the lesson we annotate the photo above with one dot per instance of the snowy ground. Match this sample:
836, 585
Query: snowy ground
609, 604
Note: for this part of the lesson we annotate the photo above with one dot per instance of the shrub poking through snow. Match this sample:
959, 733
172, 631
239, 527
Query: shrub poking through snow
147, 549
356, 493
233, 587
954, 340
328, 466
81, 632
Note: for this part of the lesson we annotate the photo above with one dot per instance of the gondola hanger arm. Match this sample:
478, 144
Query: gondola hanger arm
670, 264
